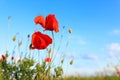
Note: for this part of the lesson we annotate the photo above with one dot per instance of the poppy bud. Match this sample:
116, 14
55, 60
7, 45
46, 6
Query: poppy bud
30, 46
12, 57
70, 30
20, 43
14, 38
62, 61
19, 61
71, 62
49, 51
3, 57
63, 27
28, 36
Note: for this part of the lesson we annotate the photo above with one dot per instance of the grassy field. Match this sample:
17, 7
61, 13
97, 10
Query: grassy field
94, 78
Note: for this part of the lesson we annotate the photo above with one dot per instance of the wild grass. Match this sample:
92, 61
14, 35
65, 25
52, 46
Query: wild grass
93, 78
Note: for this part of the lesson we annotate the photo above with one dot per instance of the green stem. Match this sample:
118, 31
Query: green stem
61, 39
38, 56
64, 53
18, 48
7, 33
53, 45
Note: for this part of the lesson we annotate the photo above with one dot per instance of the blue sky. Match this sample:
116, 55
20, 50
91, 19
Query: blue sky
95, 41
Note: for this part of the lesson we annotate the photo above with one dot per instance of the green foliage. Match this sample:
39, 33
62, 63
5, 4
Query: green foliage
27, 69
58, 71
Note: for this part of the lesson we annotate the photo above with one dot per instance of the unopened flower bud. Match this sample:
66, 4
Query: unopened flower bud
70, 30
71, 62
28, 36
12, 57
62, 61
30, 46
63, 27
14, 38
20, 43
19, 61
3, 57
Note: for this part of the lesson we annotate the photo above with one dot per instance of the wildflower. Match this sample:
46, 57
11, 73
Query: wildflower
117, 71
70, 30
51, 23
47, 59
40, 41
40, 20
3, 57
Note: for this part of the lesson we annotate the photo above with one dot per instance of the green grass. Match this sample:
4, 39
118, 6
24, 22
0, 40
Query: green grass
94, 78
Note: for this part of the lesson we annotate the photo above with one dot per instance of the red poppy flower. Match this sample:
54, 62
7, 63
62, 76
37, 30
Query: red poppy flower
40, 41
51, 23
40, 20
47, 59
118, 72
3, 57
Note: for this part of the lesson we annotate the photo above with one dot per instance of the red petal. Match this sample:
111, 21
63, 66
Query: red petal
40, 41
40, 20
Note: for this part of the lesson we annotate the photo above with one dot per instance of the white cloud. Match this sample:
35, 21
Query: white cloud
79, 40
116, 32
90, 56
112, 54
114, 50
114, 47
